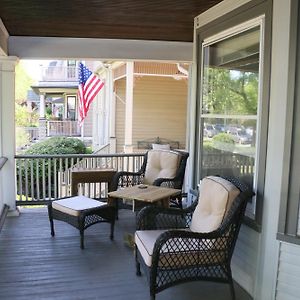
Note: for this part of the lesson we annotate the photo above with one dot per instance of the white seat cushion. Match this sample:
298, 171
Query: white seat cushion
145, 240
215, 200
74, 205
161, 164
178, 252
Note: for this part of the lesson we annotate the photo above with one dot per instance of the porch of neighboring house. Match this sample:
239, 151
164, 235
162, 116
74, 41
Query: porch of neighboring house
36, 266
57, 101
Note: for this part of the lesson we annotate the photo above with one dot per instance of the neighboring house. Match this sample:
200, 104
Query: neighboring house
57, 90
262, 35
144, 101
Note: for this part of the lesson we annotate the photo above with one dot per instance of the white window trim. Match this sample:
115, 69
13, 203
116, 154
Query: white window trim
225, 34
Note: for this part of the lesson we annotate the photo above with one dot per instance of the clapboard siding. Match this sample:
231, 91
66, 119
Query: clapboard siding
244, 259
298, 229
120, 86
288, 276
160, 108
88, 123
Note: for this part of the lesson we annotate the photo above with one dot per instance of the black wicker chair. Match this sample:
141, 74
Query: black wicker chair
127, 179
179, 254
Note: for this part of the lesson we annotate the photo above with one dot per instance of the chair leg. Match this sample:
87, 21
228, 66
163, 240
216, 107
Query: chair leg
117, 209
81, 221
112, 226
137, 263
51, 220
52, 227
138, 268
82, 238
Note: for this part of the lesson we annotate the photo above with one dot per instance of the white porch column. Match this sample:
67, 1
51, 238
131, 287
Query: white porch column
42, 106
128, 147
112, 112
42, 119
7, 132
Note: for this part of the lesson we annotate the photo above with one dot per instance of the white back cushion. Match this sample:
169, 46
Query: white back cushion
215, 199
161, 147
161, 164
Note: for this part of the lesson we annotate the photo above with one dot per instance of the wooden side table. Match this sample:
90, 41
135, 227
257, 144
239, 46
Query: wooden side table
145, 193
91, 176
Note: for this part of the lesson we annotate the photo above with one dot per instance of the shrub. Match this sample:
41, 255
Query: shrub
54, 145
223, 141
58, 145
22, 138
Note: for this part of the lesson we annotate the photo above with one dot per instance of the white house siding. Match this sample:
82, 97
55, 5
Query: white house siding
288, 278
120, 114
159, 109
244, 261
88, 123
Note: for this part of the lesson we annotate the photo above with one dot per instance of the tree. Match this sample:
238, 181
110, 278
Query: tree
24, 118
230, 92
23, 83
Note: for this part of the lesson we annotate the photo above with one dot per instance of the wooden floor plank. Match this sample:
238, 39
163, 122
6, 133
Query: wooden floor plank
33, 265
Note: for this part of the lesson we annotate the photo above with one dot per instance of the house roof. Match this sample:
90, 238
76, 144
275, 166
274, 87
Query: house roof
168, 20
55, 87
32, 96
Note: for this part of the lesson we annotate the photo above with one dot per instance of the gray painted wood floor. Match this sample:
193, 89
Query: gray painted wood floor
33, 265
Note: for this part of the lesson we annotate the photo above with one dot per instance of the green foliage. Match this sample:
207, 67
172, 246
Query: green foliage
89, 150
23, 83
230, 92
223, 141
22, 138
54, 145
58, 145
25, 118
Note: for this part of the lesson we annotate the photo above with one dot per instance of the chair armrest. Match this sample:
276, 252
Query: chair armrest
154, 217
175, 182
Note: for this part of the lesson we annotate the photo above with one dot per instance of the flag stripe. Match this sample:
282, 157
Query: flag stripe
88, 88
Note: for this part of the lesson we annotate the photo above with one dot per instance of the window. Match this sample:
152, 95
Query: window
231, 104
71, 69
71, 108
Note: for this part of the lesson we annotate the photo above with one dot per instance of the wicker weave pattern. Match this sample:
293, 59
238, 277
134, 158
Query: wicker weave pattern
85, 219
180, 255
127, 179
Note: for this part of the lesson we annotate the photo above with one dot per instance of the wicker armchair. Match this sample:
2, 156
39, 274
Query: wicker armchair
160, 168
183, 253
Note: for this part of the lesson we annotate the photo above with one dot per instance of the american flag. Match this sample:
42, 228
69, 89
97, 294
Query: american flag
89, 87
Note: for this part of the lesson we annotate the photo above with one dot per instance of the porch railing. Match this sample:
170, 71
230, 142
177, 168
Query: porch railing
32, 132
61, 73
40, 178
63, 128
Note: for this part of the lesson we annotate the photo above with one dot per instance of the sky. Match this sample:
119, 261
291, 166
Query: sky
32, 67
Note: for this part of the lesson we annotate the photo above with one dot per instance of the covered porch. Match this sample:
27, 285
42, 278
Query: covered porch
34, 265
266, 262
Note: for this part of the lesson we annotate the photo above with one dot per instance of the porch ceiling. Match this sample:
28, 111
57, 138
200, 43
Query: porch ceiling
169, 20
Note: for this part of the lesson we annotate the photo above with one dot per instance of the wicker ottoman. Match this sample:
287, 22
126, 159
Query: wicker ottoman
81, 212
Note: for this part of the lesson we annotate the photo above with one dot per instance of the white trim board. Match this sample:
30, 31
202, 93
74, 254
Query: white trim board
102, 49
217, 11
3, 39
